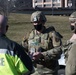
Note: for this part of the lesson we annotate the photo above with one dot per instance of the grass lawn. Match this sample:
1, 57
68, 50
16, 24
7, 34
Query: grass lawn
20, 25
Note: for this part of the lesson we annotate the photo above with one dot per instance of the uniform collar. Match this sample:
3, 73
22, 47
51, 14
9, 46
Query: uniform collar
43, 30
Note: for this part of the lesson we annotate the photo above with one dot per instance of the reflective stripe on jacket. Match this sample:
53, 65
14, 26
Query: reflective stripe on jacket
13, 59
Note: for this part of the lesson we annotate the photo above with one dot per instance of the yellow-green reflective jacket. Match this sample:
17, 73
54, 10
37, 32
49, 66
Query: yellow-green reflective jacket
13, 59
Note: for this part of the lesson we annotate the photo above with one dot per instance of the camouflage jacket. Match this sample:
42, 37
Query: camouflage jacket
67, 48
71, 60
45, 41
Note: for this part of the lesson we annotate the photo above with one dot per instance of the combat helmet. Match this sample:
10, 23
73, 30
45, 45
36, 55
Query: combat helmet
38, 16
73, 17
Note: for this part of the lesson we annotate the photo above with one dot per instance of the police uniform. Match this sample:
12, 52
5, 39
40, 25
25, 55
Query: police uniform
43, 42
13, 59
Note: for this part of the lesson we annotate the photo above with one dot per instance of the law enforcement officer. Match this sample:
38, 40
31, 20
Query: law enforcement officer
71, 52
40, 40
12, 55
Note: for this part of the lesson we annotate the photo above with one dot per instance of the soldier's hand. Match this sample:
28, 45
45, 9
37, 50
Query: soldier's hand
37, 55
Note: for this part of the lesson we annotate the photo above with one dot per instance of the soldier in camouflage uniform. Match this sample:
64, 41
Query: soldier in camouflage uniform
40, 41
70, 54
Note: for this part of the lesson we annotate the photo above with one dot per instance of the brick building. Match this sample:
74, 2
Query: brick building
54, 3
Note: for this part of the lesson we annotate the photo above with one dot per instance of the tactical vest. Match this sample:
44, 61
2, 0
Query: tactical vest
46, 40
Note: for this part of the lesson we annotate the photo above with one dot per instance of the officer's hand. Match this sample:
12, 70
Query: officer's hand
37, 55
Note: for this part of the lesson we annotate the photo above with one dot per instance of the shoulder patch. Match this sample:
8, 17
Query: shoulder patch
50, 30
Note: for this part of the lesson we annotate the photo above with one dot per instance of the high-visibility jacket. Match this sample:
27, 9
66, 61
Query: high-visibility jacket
13, 59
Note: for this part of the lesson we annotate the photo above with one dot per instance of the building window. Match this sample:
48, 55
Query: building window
56, 0
39, 5
47, 0
47, 5
39, 1
58, 5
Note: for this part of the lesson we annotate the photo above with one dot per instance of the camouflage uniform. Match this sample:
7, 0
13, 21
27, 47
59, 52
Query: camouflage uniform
70, 51
46, 40
43, 42
71, 59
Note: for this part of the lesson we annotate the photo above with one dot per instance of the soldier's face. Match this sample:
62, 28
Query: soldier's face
73, 26
72, 23
38, 25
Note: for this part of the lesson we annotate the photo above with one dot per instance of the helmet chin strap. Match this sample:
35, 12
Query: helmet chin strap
74, 31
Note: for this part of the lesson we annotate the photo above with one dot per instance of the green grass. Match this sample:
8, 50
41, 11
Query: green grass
20, 25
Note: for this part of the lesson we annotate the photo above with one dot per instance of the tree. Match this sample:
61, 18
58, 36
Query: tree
2, 7
20, 4
6, 6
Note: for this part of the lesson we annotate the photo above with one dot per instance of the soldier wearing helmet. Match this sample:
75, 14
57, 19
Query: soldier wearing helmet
38, 19
41, 40
71, 50
72, 20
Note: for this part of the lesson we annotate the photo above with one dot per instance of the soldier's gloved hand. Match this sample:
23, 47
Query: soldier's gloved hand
37, 55
55, 56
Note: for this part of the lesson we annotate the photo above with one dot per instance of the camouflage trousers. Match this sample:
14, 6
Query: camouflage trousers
70, 68
40, 72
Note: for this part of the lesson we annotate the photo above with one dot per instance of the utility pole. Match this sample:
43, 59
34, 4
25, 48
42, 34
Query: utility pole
52, 7
74, 5
6, 7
